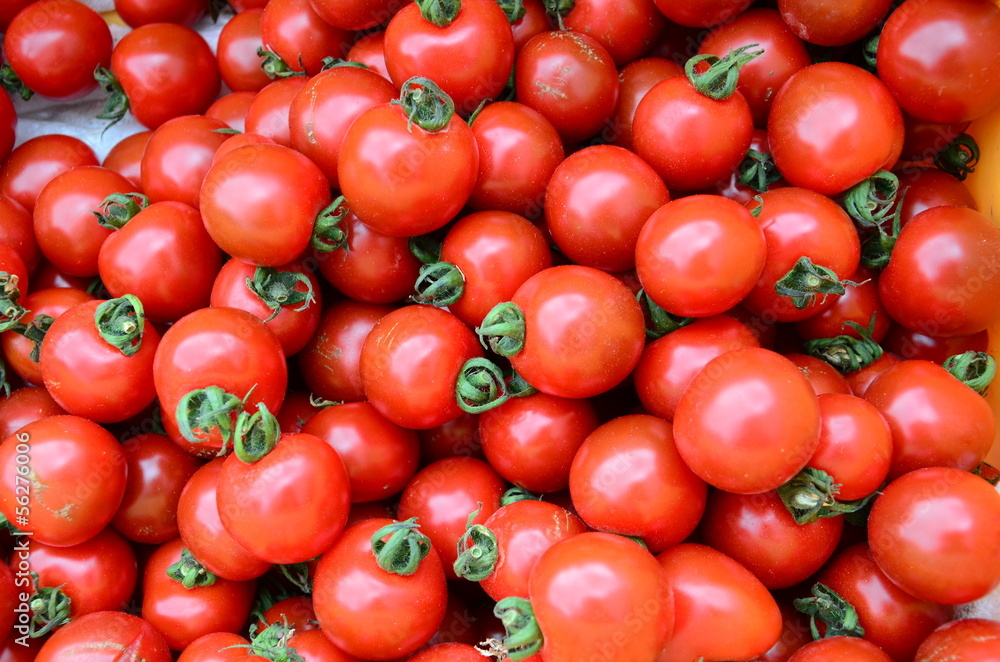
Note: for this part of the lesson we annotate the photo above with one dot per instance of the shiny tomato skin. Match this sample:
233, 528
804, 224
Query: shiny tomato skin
177, 157
295, 32
354, 15
125, 157
34, 163
832, 125
970, 639
860, 381
26, 405
823, 377
232, 109
104, 635
702, 13
855, 445
636, 79
268, 113
141, 12
921, 189
833, 23
626, 29
369, 50
239, 64
840, 649
18, 232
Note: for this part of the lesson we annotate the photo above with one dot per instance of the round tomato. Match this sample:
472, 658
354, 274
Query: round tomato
921, 189
355, 15
177, 156
141, 12
104, 635
840, 649
218, 647
18, 349
26, 405
828, 24
858, 304
239, 41
232, 110
635, 80
292, 30
125, 157
18, 232
970, 639
702, 13
910, 344
268, 113
36, 162
823, 377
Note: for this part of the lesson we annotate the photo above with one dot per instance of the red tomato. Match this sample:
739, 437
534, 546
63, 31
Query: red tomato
10, 10
104, 635
857, 304
636, 79
860, 381
17, 349
925, 139
930, 532
9, 601
296, 611
702, 13
295, 32
26, 405
125, 157
36, 162
970, 639
910, 344
823, 377
268, 113
232, 109
855, 445
355, 15
833, 24
141, 12
451, 652
18, 232
840, 649
833, 125
626, 29
921, 189
177, 157
217, 647
456, 438
239, 64
369, 50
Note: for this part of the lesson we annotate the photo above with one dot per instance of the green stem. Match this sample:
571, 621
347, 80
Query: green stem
425, 248
660, 321
720, 79
329, 233
839, 615
205, 410
806, 280
440, 284
514, 9
480, 386
4, 384
11, 82
974, 369
35, 331
870, 201
425, 104
960, 157
336, 63
503, 329
11, 311
117, 105
757, 171
811, 495
439, 12
877, 247
276, 289
189, 572
298, 575
255, 435
518, 386
272, 643
50, 608
120, 208
524, 636
121, 323
557, 9
478, 551
515, 494
846, 353
406, 547
275, 67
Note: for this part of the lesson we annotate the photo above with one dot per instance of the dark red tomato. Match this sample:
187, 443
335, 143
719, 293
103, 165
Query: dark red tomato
669, 364
762, 77
218, 647
823, 377
67, 232
702, 13
48, 277
410, 362
700, 255
157, 471
523, 531
8, 126
635, 80
840, 649
970, 639
800, 223
943, 278
166, 71
584, 331
596, 184
589, 590
833, 125
125, 157
202, 531
349, 587
322, 110
380, 456
936, 420
243, 5
925, 56
36, 162
54, 46
295, 32
741, 606
458, 437
449, 652
857, 304
17, 349
315, 646
104, 635
96, 575
690, 139
245, 190
531, 441
269, 110
478, 35
165, 257
860, 381
893, 620
18, 232
496, 252
534, 22
431, 173
297, 612
294, 519
354, 15
909, 344
925, 139
930, 532
239, 64
571, 80
628, 478
89, 375
141, 12
748, 422
10, 10
177, 157
855, 445
209, 348
181, 614
921, 189
296, 411
794, 635
518, 152
23, 406
77, 478
758, 531
626, 29
267, 296
232, 109
369, 50
442, 496
827, 23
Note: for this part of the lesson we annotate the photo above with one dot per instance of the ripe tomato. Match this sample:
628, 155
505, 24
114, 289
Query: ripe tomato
456, 438
293, 31
104, 635
218, 647
823, 377
239, 64
449, 652
10, 10
909, 344
125, 157
626, 29
840, 649
232, 110
926, 188
857, 304
355, 15
702, 13
635, 80
833, 24
36, 162
369, 50
268, 113
26, 405
18, 232
970, 639
8, 126
141, 12
177, 156
860, 381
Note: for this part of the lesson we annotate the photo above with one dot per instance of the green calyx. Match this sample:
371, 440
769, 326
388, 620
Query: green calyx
11, 311
336, 63
840, 617
805, 281
276, 68
846, 353
524, 636
757, 171
439, 12
974, 369
502, 330
121, 323
202, 411
960, 157
35, 331
276, 289
876, 247
255, 435
425, 104
298, 575
4, 384
480, 386
425, 248
117, 104
440, 284
515, 494
870, 53
406, 547
720, 79
514, 9
11, 82
328, 229
189, 572
659, 322
557, 9
120, 208
272, 643
870, 201
811, 495
478, 551
50, 608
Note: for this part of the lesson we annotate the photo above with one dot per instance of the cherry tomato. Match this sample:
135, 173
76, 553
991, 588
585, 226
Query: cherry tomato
702, 13
636, 79
296, 611
369, 50
295, 32
855, 445
626, 29
239, 64
840, 649
177, 156
26, 405
455, 438
860, 381
354, 15
823, 377
36, 162
921, 189
971, 639
104, 635
449, 652
141, 12
833, 24
218, 647
125, 158
268, 112
232, 110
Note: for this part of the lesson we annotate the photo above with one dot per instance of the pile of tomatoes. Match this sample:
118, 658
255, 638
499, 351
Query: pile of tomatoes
562, 331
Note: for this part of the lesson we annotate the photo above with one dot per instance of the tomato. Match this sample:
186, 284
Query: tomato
239, 64
183, 614
833, 125
125, 158
628, 478
218, 647
857, 304
700, 255
794, 635
626, 29
164, 256
324, 108
893, 620
36, 162
201, 528
104, 635
17, 349
600, 593
761, 78
53, 46
164, 71
287, 298
833, 24
380, 457
936, 421
13, 284
17, 232
910, 344
354, 15
635, 80
741, 607
269, 110
930, 533
860, 381
971, 639
702, 13
293, 31
410, 362
48, 277
570, 79
921, 189
177, 156
758, 531
208, 348
455, 438
141, 12
450, 652
157, 471
519, 149
840, 649
925, 139
232, 110
369, 50
823, 377
245, 190
855, 445
26, 405
350, 586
